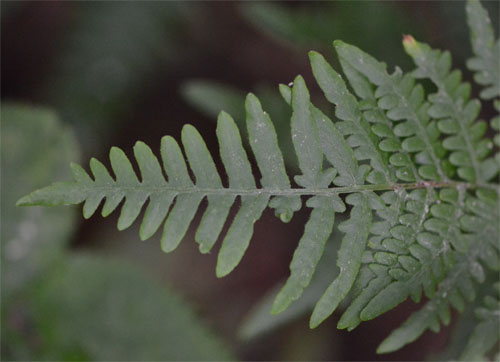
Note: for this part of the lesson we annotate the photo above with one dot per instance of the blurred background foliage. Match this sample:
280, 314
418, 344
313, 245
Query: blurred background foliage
59, 305
115, 72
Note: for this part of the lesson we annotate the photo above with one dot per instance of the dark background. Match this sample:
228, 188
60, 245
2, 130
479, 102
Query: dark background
118, 72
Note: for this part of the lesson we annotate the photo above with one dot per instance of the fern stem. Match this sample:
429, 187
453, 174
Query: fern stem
300, 191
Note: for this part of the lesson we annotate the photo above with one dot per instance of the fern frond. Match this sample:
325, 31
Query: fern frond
486, 62
357, 131
458, 285
434, 311
455, 112
404, 102
486, 334
399, 160
187, 195
417, 172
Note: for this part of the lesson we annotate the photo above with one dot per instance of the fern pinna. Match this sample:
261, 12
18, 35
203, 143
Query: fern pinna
417, 173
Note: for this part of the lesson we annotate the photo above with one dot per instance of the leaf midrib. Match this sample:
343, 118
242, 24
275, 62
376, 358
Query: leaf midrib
292, 191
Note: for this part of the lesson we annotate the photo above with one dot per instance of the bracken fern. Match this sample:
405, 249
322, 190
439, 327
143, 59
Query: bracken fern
417, 171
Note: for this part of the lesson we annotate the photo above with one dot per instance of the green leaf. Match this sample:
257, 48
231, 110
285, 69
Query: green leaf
484, 337
486, 333
305, 137
350, 319
456, 287
210, 98
347, 109
419, 164
334, 146
264, 144
408, 332
349, 260
486, 64
309, 251
408, 105
206, 175
233, 155
95, 95
240, 232
117, 313
458, 113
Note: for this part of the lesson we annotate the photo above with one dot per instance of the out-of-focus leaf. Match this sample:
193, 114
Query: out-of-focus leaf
35, 147
107, 310
312, 26
110, 52
471, 339
209, 98
486, 333
486, 62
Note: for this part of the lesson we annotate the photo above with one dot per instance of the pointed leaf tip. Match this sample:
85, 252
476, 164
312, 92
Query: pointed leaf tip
313, 323
338, 43
23, 201
314, 55
411, 46
408, 39
286, 93
188, 128
139, 143
299, 79
251, 99
277, 308
223, 114
222, 270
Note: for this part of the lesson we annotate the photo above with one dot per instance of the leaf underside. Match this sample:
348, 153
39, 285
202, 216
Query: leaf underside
418, 170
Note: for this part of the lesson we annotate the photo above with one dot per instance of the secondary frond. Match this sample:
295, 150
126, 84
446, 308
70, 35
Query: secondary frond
486, 62
486, 334
455, 113
457, 287
404, 102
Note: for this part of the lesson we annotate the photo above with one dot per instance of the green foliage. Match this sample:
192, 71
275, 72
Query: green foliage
107, 53
31, 240
34, 148
302, 27
486, 333
143, 320
210, 97
486, 62
418, 172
